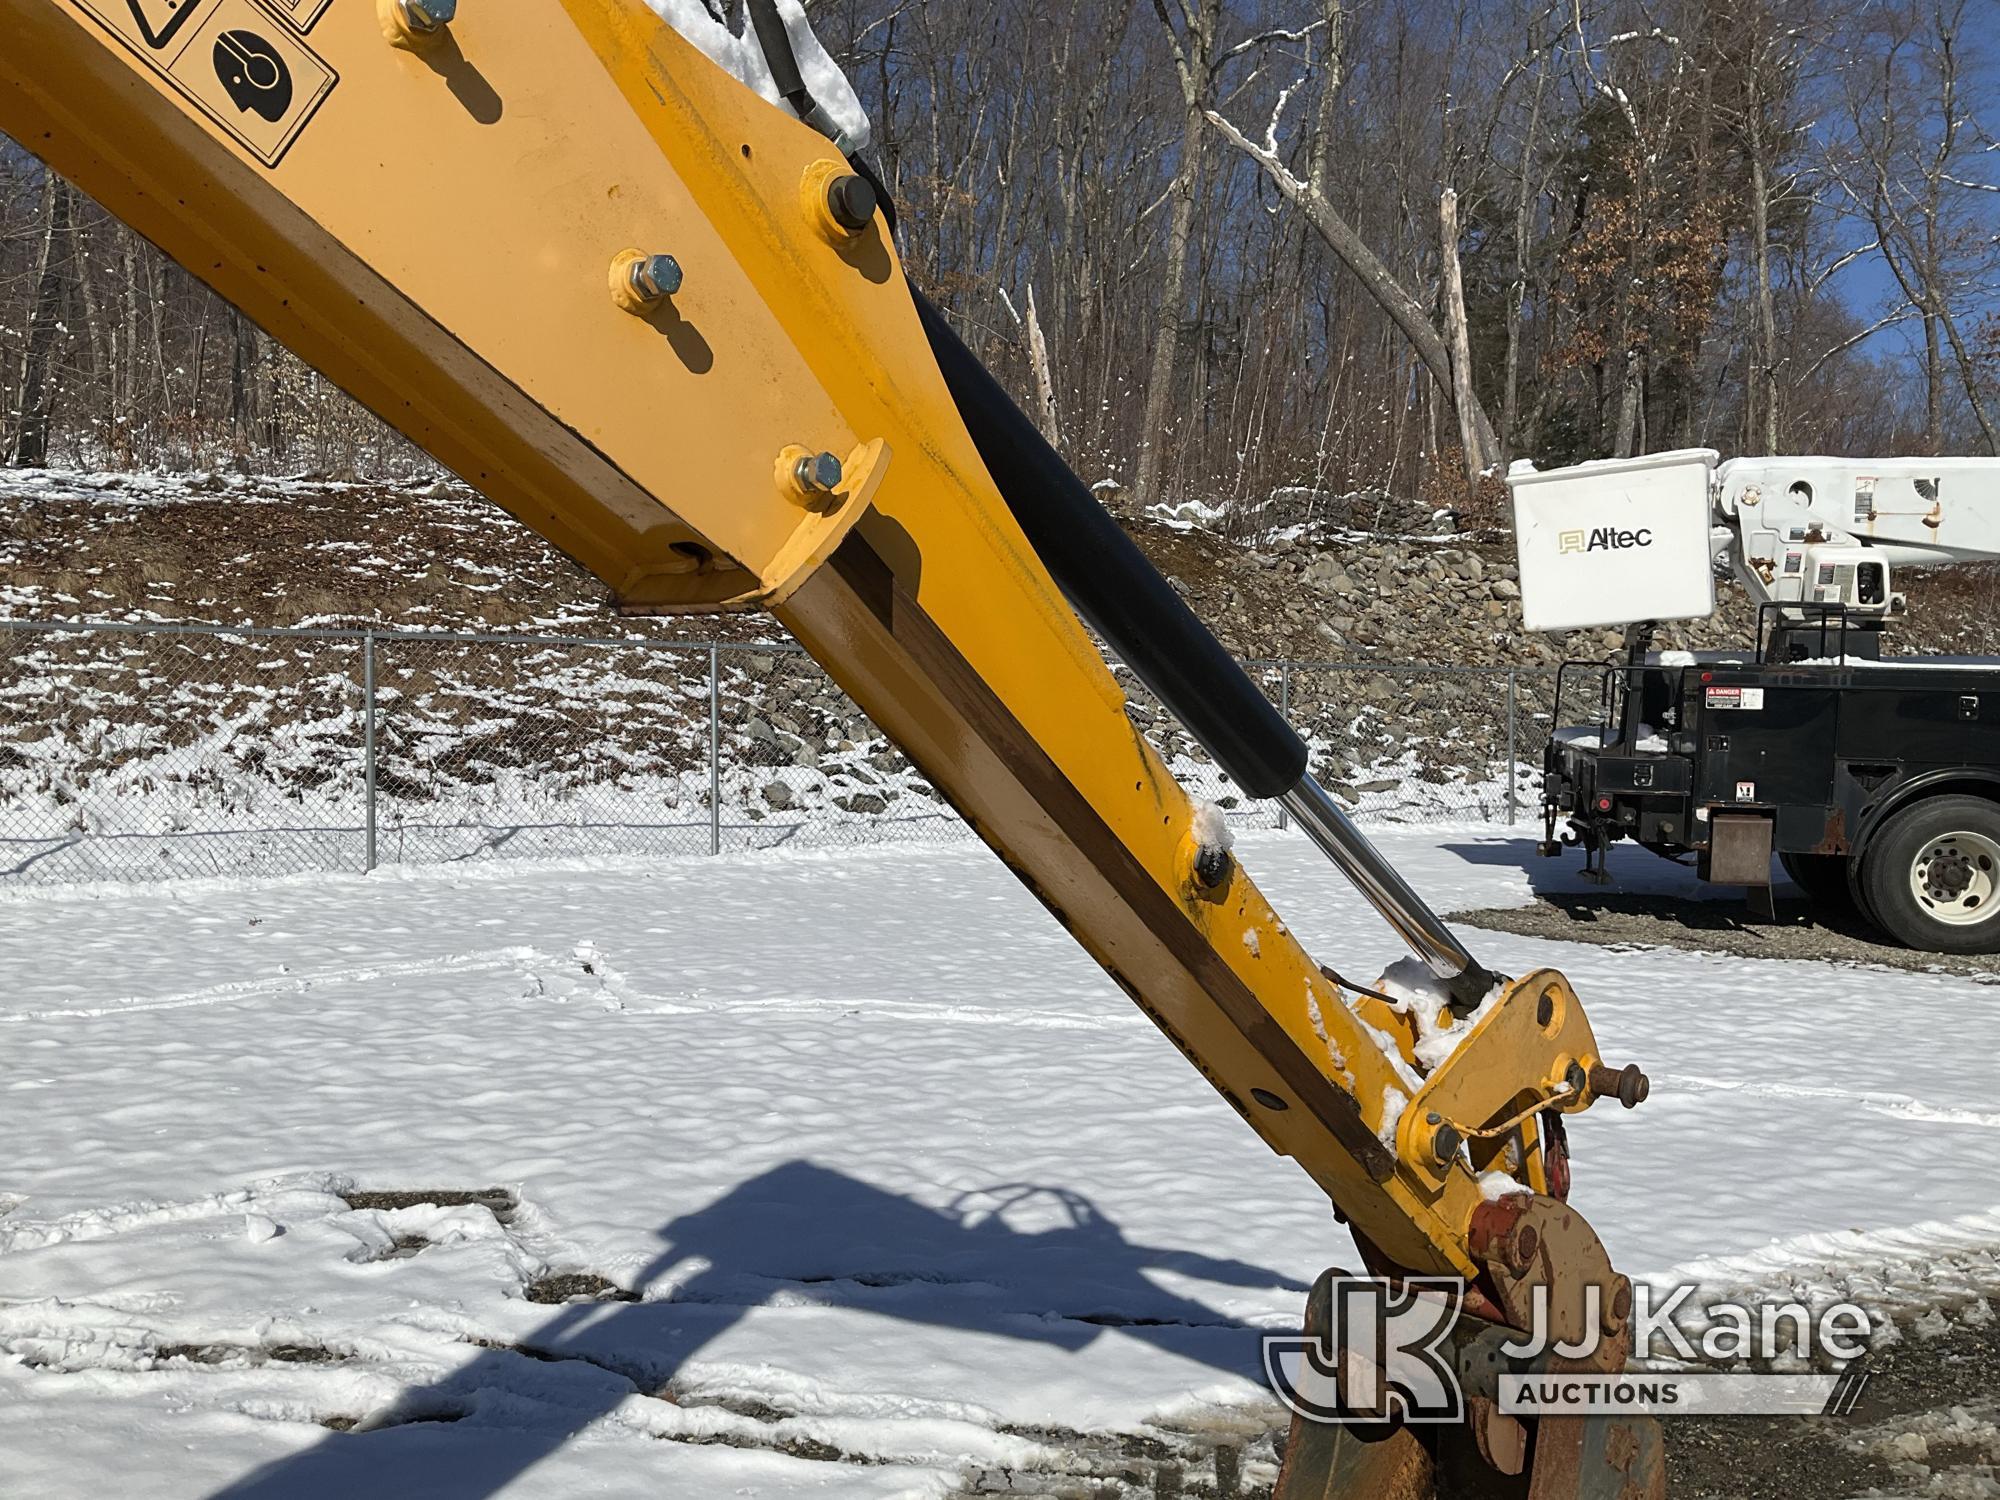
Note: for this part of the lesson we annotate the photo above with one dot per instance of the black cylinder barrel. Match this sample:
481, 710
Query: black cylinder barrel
1108, 581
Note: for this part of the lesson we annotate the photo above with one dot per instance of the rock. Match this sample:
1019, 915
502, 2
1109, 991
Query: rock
758, 730
1910, 1447
777, 794
1326, 573
1504, 588
865, 803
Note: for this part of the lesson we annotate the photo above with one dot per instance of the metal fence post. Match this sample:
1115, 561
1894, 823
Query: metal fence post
368, 747
1513, 746
1285, 708
714, 748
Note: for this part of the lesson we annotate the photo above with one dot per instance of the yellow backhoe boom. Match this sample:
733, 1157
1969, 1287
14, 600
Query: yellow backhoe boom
629, 301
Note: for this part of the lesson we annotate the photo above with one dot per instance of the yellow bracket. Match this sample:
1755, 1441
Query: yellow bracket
1532, 1051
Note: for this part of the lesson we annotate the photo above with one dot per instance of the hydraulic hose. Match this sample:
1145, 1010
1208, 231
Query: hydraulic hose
1122, 596
776, 44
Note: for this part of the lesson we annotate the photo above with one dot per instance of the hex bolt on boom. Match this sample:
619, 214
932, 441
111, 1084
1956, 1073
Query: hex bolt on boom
642, 283
427, 16
657, 277
818, 473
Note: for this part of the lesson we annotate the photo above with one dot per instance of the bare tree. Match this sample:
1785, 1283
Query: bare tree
38, 386
1191, 39
1661, 208
1917, 150
1310, 195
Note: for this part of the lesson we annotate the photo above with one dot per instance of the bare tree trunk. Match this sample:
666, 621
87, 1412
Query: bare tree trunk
1192, 58
1517, 290
1764, 398
30, 448
1045, 383
1630, 389
1376, 278
1933, 386
1478, 458
128, 277
242, 382
97, 334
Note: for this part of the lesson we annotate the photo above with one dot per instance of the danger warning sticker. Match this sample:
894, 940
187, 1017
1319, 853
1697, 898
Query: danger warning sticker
1736, 697
234, 60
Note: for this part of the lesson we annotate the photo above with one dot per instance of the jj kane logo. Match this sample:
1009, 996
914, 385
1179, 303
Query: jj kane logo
1388, 1354
1384, 1358
1604, 539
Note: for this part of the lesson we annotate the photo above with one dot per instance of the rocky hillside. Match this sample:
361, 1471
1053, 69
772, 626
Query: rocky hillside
152, 752
241, 551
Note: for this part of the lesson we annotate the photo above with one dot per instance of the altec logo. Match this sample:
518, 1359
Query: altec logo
1604, 539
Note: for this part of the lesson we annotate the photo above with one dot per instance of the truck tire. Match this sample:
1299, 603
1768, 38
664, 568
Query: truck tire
1823, 878
1931, 877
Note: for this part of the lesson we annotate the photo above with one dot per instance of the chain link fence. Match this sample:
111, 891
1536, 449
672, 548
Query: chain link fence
132, 752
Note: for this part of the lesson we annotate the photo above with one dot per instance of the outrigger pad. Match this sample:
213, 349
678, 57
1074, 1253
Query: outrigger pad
1579, 1459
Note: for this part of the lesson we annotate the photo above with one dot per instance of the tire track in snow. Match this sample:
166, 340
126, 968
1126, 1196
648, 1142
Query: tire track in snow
588, 974
1896, 1106
897, 1010
122, 1218
288, 984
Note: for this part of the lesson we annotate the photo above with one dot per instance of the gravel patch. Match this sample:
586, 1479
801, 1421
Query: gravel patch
1613, 919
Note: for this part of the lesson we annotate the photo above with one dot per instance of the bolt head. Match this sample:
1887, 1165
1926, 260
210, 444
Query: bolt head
852, 201
1445, 1143
657, 276
429, 15
821, 474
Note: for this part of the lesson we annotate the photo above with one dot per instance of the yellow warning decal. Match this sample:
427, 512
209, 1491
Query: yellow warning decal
234, 60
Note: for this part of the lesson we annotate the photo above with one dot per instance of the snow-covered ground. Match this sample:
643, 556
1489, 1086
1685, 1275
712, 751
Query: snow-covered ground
907, 1188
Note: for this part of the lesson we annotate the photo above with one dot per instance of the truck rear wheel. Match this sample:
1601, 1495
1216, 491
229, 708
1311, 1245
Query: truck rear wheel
1823, 877
1932, 876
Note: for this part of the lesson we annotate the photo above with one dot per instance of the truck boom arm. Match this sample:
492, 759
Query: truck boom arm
1624, 541
1829, 531
458, 224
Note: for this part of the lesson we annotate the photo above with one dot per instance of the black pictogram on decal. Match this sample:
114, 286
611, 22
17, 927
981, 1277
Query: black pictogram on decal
253, 73
171, 16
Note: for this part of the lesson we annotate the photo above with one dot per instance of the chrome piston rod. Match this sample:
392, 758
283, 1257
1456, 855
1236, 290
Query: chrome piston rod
1401, 907
1149, 627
